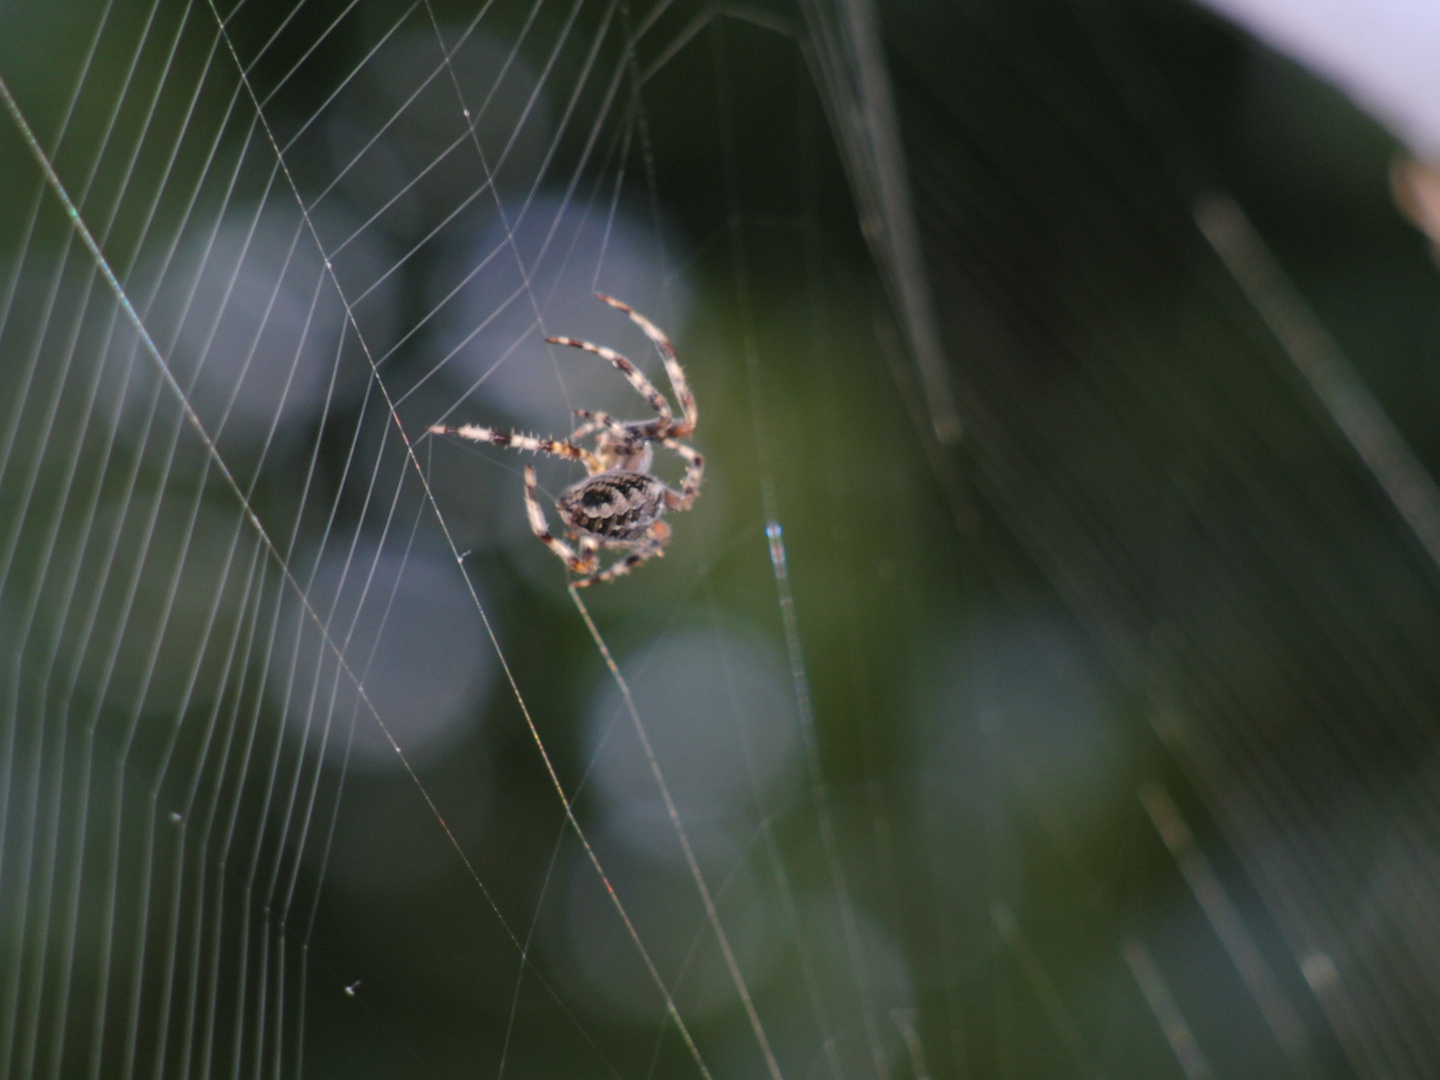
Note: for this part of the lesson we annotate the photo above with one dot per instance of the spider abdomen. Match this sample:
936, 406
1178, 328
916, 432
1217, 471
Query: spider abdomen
618, 506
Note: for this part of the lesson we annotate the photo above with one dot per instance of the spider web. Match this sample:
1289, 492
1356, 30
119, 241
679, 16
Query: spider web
1040, 685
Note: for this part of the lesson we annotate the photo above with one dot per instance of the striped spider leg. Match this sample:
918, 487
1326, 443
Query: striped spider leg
513, 440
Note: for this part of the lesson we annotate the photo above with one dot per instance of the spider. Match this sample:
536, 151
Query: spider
620, 503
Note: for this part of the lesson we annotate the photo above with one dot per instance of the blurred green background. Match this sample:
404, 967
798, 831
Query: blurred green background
1098, 741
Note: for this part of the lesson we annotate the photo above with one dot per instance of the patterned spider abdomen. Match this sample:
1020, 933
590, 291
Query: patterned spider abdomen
618, 506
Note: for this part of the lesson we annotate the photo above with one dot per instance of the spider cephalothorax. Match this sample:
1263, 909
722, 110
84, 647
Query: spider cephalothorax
619, 504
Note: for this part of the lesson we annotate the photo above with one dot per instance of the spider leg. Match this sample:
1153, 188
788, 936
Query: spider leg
589, 549
643, 386
515, 441
578, 564
648, 549
690, 482
594, 421
672, 364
